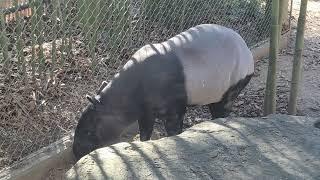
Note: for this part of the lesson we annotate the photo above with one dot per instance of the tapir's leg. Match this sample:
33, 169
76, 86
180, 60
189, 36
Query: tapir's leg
220, 109
146, 123
223, 108
174, 120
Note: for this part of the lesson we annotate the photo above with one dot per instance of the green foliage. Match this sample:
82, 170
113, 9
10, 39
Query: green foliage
3, 43
181, 14
105, 17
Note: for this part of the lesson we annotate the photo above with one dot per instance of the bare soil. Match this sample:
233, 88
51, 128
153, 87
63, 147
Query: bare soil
250, 104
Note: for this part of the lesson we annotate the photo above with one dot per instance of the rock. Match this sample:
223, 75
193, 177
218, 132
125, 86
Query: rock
273, 147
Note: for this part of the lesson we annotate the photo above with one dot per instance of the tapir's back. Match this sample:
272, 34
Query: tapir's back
214, 58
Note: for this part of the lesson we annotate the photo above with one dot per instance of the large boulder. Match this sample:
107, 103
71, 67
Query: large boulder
275, 147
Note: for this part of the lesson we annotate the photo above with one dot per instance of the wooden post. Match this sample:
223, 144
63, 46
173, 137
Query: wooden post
297, 61
270, 93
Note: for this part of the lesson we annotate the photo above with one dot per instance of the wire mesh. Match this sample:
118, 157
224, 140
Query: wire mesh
52, 53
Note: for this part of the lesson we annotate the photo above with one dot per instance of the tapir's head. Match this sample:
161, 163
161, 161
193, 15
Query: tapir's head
96, 127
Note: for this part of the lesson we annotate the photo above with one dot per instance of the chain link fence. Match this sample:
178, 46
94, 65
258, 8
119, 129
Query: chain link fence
53, 53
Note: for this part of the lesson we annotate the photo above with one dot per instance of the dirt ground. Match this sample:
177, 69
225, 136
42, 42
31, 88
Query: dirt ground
309, 101
309, 96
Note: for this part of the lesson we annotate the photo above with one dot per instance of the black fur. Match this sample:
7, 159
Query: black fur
317, 124
223, 108
153, 88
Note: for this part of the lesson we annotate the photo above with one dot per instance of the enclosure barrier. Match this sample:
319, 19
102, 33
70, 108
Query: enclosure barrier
60, 50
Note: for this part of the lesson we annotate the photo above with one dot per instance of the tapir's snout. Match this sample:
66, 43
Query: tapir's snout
82, 148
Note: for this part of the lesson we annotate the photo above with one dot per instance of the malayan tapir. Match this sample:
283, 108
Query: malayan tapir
208, 64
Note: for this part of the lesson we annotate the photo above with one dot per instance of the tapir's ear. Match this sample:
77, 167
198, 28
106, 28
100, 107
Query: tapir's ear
103, 85
92, 100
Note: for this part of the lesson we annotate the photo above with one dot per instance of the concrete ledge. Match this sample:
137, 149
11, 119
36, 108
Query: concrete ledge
272, 147
38, 164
